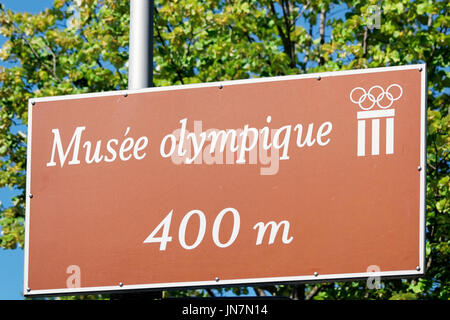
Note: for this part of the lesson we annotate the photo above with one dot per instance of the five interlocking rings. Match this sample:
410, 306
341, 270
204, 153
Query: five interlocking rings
368, 95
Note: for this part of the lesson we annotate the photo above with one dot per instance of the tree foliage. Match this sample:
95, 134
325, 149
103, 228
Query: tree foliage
80, 46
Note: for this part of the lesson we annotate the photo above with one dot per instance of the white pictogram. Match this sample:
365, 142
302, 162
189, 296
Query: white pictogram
383, 99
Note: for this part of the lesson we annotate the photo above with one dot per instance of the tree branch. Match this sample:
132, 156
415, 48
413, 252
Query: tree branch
49, 69
210, 292
260, 292
322, 35
366, 36
283, 36
313, 293
289, 45
54, 60
298, 292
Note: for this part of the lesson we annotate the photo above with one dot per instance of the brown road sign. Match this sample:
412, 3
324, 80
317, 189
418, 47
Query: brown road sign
285, 179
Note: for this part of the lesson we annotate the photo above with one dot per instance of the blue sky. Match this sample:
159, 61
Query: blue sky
11, 261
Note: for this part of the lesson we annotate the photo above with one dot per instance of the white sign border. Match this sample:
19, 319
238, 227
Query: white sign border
419, 271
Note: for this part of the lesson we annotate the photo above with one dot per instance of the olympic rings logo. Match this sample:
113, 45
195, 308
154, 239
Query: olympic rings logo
384, 99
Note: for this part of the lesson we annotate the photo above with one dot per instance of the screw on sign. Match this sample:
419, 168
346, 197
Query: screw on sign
190, 186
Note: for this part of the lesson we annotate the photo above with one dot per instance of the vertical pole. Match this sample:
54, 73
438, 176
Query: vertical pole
140, 64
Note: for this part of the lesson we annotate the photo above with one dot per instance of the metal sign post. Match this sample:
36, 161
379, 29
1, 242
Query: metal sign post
140, 68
